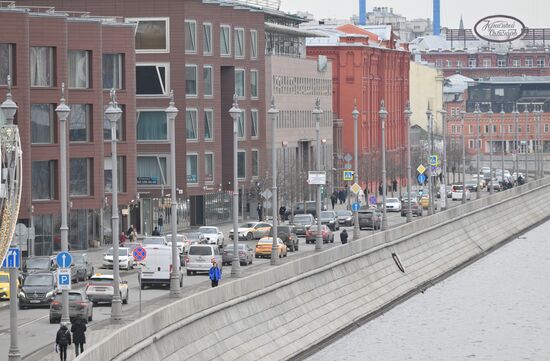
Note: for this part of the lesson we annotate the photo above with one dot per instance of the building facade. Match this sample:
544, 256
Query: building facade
42, 50
426, 88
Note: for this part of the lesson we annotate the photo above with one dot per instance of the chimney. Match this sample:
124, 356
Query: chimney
436, 17
362, 12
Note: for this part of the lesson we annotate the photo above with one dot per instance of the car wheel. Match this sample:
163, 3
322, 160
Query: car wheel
52, 320
125, 301
91, 317
95, 304
142, 286
188, 273
332, 239
256, 256
249, 236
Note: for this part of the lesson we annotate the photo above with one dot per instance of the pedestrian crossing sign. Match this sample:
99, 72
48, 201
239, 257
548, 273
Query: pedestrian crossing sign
348, 175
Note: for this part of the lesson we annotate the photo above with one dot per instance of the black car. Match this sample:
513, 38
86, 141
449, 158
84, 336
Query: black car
330, 219
370, 218
302, 222
288, 235
39, 264
309, 206
345, 217
38, 290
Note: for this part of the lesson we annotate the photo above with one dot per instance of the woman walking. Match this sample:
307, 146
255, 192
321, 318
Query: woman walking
79, 335
62, 340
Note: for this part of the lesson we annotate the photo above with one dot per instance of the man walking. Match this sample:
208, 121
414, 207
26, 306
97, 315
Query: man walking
215, 273
79, 335
62, 340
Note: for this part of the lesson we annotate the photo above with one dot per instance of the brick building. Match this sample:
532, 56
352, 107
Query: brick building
41, 49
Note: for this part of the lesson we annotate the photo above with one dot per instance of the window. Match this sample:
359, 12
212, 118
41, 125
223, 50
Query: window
119, 124
191, 124
208, 124
459, 63
516, 63
152, 125
471, 143
152, 79
240, 125
6, 63
190, 36
546, 128
79, 123
510, 129
208, 167
225, 40
486, 63
80, 176
439, 63
192, 169
472, 63
470, 129
501, 63
239, 43
239, 82
486, 129
112, 71
42, 124
254, 83
43, 180
241, 164
42, 59
254, 123
448, 63
151, 170
191, 80
152, 35
529, 62
255, 163
207, 39
253, 44
108, 174
540, 62
208, 81
79, 69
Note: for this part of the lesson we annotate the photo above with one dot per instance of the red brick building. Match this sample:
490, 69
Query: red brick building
41, 50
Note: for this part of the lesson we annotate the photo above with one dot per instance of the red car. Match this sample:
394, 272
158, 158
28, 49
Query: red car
327, 234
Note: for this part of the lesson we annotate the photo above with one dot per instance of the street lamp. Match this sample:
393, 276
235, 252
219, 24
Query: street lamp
477, 113
62, 112
355, 114
113, 114
383, 115
9, 108
526, 113
431, 166
443, 113
317, 114
171, 114
273, 113
462, 114
490, 116
538, 150
503, 141
235, 113
516, 142
408, 114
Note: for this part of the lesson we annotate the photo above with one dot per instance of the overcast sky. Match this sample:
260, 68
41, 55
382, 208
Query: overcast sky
534, 13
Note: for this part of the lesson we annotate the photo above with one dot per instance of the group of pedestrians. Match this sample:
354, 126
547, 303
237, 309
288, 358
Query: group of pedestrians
64, 338
338, 196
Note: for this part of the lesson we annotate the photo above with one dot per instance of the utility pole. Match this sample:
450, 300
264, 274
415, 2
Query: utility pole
477, 113
526, 113
490, 115
462, 114
431, 172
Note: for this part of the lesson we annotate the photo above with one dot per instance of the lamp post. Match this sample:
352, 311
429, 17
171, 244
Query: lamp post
477, 113
113, 113
431, 166
9, 108
235, 113
516, 142
490, 116
355, 114
273, 113
317, 114
503, 141
443, 113
171, 114
526, 113
462, 114
538, 150
383, 113
408, 114
62, 112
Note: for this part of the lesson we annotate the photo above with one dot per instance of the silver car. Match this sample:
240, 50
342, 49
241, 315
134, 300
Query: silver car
79, 307
84, 267
246, 254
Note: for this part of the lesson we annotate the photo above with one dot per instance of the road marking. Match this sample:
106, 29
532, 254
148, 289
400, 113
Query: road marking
25, 324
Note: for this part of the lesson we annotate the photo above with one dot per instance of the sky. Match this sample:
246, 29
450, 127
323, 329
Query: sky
533, 13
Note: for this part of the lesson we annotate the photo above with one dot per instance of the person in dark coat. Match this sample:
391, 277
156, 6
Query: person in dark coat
344, 236
62, 340
282, 212
156, 232
394, 185
380, 188
260, 211
79, 335
333, 199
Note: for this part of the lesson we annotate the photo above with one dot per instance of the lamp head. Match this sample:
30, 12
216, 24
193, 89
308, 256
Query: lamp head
62, 109
171, 111
9, 108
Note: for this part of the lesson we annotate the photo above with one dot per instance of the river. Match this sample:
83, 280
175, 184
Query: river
495, 309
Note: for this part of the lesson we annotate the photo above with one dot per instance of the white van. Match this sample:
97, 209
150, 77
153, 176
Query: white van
199, 258
157, 266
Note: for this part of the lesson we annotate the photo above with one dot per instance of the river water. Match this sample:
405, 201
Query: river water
496, 309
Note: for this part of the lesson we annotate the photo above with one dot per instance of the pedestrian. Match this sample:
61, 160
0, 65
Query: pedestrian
133, 236
282, 213
380, 188
156, 232
121, 239
394, 185
62, 340
333, 200
160, 223
215, 273
79, 335
129, 231
260, 211
344, 236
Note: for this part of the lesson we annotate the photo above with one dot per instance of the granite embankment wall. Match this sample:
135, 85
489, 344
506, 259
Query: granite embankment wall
279, 313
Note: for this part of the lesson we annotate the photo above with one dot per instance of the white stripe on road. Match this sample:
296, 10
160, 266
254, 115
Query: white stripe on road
25, 324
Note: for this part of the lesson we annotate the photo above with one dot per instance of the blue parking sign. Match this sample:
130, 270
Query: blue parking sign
13, 258
64, 279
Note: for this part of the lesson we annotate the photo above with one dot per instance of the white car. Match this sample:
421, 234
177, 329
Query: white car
393, 205
213, 235
125, 258
100, 289
199, 258
181, 242
456, 192
157, 267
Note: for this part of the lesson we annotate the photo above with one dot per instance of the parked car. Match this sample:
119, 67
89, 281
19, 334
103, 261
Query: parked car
252, 230
125, 258
393, 205
153, 240
456, 194
246, 254
310, 208
79, 307
265, 245
416, 208
345, 217
213, 235
326, 233
288, 235
84, 267
157, 266
302, 222
38, 290
5, 285
199, 258
370, 218
181, 242
39, 264
330, 219
100, 289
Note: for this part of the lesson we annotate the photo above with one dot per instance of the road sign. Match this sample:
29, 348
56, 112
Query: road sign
355, 188
348, 175
373, 200
21, 233
421, 178
347, 166
267, 194
434, 160
317, 177
421, 169
267, 204
13, 258
348, 158
139, 254
64, 259
64, 279
355, 207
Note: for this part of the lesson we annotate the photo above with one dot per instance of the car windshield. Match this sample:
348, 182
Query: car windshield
121, 252
200, 251
343, 213
38, 280
314, 228
268, 240
73, 296
209, 230
459, 188
392, 200
4, 279
194, 235
43, 263
153, 241
302, 219
230, 247
327, 214
101, 281
247, 225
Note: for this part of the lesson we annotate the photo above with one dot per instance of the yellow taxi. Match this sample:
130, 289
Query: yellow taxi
5, 285
425, 202
265, 244
252, 230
